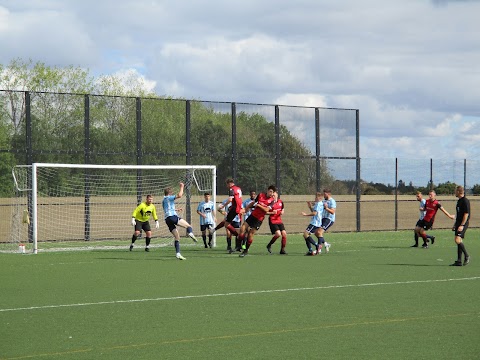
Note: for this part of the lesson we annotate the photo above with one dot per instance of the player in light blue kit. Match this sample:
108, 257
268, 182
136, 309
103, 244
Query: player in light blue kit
253, 195
206, 210
316, 211
172, 219
328, 219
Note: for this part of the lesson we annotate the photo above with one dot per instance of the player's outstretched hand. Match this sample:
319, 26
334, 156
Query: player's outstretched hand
133, 222
157, 225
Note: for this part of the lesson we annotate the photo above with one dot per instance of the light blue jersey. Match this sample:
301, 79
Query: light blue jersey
206, 208
423, 202
317, 219
244, 206
332, 204
169, 205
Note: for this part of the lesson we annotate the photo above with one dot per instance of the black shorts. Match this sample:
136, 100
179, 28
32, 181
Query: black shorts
426, 225
205, 227
142, 225
326, 223
276, 227
235, 224
232, 214
460, 233
172, 222
253, 222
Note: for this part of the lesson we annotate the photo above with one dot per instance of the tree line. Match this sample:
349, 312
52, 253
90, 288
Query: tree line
58, 129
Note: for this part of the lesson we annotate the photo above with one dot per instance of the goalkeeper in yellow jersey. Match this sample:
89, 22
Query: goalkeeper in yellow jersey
140, 220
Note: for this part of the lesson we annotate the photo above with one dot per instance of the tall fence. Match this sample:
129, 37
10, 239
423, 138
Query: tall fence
299, 149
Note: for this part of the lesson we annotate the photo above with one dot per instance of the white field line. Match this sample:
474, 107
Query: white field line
254, 292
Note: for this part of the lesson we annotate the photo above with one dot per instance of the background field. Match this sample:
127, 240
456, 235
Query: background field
377, 213
371, 297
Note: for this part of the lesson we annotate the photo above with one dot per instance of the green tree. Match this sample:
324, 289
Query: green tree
476, 189
447, 188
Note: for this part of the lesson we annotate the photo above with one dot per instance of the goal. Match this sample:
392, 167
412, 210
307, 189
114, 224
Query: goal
74, 206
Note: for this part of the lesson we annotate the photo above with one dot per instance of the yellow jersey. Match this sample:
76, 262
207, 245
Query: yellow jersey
143, 212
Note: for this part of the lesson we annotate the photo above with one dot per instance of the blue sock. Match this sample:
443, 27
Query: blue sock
189, 229
177, 246
321, 240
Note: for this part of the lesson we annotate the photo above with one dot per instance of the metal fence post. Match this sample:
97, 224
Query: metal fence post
29, 159
359, 190
396, 194
234, 141
138, 122
317, 149
188, 160
86, 150
277, 148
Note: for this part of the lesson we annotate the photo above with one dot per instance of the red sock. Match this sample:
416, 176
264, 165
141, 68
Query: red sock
220, 225
284, 241
232, 229
274, 238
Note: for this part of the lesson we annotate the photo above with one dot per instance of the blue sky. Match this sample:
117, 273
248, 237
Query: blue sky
410, 66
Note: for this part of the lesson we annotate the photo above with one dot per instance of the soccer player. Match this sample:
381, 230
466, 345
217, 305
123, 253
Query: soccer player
253, 195
277, 228
316, 211
431, 207
140, 221
172, 219
461, 225
235, 224
234, 198
328, 219
418, 226
206, 210
263, 204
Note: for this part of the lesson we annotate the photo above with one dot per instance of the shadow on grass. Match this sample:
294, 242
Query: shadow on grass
404, 264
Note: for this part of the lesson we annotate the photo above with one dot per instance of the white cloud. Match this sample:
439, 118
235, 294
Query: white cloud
411, 67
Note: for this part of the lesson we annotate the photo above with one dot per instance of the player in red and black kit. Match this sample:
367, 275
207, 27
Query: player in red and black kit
431, 207
276, 224
262, 204
235, 199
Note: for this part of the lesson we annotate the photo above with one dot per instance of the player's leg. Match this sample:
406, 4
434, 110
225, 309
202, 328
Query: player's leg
203, 230
423, 235
229, 240
183, 223
459, 235
276, 233
283, 233
311, 229
210, 235
136, 232
148, 238
176, 236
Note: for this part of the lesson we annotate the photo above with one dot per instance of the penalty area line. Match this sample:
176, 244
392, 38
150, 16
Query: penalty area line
253, 292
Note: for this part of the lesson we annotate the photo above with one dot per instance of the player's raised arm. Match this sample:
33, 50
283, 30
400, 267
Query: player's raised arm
180, 192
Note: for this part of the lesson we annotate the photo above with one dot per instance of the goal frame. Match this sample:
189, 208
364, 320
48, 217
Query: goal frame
34, 192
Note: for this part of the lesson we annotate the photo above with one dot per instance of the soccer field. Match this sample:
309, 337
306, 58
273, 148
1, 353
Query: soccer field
371, 297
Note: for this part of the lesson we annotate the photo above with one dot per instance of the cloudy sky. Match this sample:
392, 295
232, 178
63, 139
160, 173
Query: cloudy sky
412, 67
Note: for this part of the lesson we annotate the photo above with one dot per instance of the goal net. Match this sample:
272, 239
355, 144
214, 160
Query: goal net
71, 206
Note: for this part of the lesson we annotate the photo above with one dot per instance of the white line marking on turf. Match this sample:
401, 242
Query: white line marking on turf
253, 292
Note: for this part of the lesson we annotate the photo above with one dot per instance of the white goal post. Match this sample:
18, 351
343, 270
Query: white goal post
90, 206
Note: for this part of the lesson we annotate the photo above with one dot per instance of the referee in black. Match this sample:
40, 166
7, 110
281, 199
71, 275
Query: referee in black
461, 225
